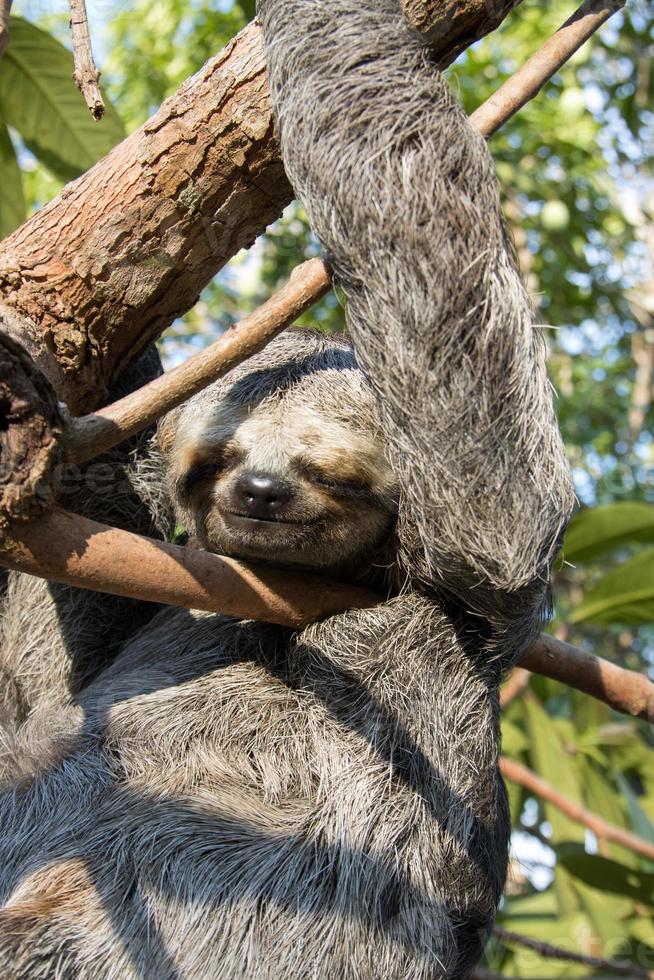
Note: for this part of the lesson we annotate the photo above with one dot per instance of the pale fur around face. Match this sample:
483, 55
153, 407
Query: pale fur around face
302, 414
234, 800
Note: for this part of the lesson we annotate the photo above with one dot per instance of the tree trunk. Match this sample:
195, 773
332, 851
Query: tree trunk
101, 271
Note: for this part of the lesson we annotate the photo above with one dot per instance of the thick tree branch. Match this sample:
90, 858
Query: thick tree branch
104, 268
517, 773
86, 75
548, 951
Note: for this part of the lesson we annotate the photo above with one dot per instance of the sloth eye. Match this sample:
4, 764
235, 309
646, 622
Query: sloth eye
199, 472
339, 488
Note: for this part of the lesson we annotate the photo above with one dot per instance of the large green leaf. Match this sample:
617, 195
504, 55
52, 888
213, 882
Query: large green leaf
12, 201
608, 876
625, 595
551, 760
39, 99
598, 530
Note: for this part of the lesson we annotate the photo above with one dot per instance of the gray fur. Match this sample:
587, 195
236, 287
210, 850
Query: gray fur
233, 800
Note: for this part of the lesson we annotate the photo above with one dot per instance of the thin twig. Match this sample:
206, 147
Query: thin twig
515, 772
528, 80
548, 951
5, 10
86, 75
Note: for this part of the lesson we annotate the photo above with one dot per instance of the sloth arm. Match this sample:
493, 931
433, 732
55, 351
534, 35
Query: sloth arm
401, 192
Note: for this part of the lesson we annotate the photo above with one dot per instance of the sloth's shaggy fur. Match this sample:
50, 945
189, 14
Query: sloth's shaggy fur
229, 799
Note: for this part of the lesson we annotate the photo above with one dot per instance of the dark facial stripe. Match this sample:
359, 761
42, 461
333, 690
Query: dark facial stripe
198, 473
350, 490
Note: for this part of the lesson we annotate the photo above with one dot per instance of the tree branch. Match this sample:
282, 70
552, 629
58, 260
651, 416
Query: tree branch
101, 271
55, 548
517, 773
517, 683
86, 75
67, 548
623, 690
548, 951
528, 80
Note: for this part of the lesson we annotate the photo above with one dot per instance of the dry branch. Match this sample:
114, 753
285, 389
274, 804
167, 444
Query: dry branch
102, 270
528, 80
548, 951
623, 690
5, 10
30, 437
517, 773
88, 436
86, 75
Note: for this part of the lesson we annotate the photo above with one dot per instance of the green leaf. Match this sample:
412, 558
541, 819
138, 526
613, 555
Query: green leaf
598, 530
608, 876
625, 595
39, 99
640, 822
12, 200
514, 740
550, 760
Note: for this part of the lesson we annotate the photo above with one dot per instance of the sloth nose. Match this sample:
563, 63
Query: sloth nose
262, 496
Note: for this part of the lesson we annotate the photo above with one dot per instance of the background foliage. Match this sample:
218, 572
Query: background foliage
576, 167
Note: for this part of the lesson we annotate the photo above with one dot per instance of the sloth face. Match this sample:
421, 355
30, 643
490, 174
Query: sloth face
288, 470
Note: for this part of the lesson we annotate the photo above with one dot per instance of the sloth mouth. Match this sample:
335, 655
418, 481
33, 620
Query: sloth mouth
242, 520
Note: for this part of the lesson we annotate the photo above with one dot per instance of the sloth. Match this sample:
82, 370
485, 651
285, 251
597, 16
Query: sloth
221, 798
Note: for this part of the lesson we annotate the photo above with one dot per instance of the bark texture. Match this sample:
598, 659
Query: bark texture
30, 431
127, 247
454, 26
96, 275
